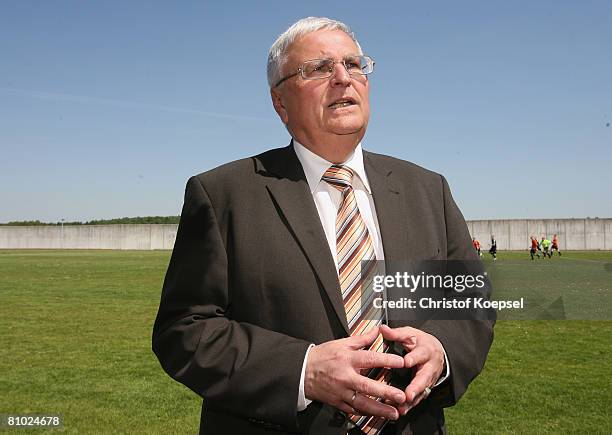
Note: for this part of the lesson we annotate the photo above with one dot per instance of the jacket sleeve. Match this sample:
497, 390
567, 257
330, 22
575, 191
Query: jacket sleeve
466, 342
229, 363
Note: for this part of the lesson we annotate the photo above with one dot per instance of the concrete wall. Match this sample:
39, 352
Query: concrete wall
573, 234
513, 234
88, 237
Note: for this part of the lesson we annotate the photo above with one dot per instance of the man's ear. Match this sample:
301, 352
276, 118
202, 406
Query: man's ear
277, 102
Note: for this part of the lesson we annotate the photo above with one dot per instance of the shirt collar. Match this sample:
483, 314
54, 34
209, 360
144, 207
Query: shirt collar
315, 166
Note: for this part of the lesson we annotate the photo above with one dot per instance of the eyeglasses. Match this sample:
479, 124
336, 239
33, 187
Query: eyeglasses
324, 68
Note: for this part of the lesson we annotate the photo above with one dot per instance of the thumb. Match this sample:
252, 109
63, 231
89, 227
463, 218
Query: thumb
389, 333
405, 335
360, 341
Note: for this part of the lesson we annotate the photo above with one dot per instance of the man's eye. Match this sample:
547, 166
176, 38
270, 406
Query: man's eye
317, 68
322, 66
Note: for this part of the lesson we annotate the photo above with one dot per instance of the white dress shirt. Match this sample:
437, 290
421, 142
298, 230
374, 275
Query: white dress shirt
327, 200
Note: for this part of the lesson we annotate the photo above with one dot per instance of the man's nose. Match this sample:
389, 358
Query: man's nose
340, 75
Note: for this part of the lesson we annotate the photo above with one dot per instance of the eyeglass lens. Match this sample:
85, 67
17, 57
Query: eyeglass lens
321, 68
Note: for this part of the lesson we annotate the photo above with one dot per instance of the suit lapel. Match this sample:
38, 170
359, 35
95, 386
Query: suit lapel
390, 209
289, 190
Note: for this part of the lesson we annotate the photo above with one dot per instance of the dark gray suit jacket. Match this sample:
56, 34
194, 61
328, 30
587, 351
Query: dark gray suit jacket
251, 283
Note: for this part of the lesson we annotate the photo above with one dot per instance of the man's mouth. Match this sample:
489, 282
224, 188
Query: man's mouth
343, 102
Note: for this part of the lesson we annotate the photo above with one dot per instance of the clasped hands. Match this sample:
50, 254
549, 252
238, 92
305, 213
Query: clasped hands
336, 372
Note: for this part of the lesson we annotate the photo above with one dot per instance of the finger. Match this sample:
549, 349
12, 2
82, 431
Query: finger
371, 387
407, 406
368, 359
361, 341
422, 379
347, 408
418, 399
369, 406
349, 401
404, 408
404, 334
409, 346
417, 356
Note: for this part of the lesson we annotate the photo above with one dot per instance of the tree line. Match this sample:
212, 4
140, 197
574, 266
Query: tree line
116, 221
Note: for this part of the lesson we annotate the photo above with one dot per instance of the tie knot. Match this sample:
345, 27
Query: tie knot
339, 176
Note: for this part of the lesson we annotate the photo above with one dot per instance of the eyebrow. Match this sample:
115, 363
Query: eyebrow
325, 56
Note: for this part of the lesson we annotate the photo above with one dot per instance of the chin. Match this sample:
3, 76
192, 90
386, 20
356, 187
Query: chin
346, 127
347, 132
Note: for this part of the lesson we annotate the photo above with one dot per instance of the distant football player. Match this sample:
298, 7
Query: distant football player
493, 248
555, 245
534, 247
545, 243
476, 244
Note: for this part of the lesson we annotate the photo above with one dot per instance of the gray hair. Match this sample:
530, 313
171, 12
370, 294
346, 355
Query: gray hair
277, 55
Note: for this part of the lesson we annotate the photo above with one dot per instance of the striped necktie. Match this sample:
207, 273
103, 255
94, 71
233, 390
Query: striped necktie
356, 267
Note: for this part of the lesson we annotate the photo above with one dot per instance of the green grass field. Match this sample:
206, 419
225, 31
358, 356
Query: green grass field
76, 329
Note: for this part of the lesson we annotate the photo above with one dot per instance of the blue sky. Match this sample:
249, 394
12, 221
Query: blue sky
106, 108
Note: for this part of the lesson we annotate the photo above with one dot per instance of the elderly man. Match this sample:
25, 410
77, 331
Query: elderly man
258, 313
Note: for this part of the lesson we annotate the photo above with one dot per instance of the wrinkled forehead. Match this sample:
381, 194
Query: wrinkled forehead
322, 44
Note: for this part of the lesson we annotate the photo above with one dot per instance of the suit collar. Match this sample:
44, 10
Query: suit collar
315, 166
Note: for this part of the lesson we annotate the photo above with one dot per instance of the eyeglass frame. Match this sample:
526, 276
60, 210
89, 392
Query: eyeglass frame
300, 70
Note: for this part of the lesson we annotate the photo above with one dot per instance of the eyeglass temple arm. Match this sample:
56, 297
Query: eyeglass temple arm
287, 77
